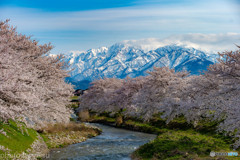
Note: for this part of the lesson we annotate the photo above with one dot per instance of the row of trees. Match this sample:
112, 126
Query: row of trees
32, 86
214, 95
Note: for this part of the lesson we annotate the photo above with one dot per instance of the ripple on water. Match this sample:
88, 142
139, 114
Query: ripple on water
112, 144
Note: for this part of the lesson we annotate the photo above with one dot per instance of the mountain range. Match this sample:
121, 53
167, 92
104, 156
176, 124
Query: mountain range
121, 60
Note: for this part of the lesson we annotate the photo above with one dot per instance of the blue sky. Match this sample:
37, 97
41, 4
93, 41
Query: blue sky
84, 24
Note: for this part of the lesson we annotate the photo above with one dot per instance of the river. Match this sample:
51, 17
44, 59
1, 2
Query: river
112, 144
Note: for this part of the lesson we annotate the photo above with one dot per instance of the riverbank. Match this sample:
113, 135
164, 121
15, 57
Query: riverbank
112, 144
61, 135
176, 140
19, 142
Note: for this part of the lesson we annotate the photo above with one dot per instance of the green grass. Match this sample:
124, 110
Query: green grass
180, 140
74, 105
177, 139
50, 145
140, 126
19, 138
178, 144
46, 140
102, 118
74, 98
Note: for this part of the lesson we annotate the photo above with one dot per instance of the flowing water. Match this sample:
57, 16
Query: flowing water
112, 144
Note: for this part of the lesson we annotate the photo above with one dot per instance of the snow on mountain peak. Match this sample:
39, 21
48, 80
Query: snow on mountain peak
121, 60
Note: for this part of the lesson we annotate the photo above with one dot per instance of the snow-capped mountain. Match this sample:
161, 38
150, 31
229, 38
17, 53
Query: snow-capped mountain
121, 60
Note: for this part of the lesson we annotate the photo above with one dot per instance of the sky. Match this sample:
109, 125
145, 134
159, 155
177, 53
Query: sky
70, 25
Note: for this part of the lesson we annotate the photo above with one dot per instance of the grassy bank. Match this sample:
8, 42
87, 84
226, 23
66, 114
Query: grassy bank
178, 144
60, 135
19, 142
176, 140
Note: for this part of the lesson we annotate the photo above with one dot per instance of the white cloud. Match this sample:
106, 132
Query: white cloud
210, 43
80, 30
197, 17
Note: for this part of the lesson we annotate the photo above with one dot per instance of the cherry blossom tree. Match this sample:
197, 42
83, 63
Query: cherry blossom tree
212, 96
32, 87
160, 93
216, 95
101, 96
139, 97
